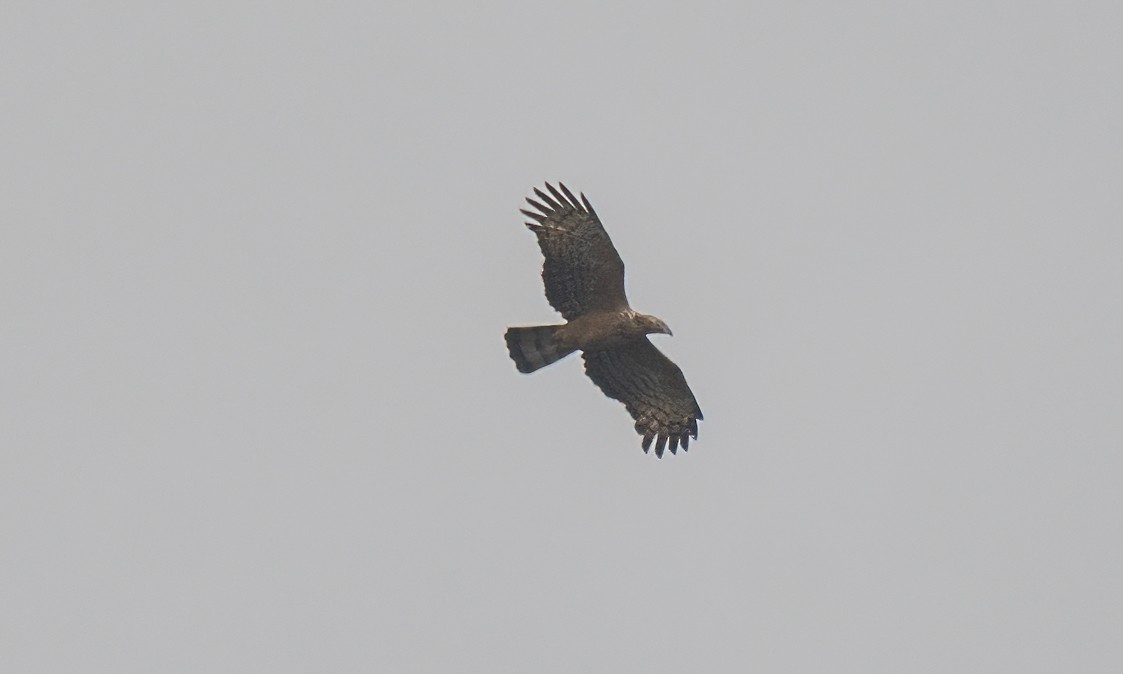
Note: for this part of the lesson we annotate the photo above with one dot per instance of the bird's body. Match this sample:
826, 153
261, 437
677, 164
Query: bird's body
584, 279
606, 329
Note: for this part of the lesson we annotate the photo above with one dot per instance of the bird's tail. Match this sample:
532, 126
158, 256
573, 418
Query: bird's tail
535, 347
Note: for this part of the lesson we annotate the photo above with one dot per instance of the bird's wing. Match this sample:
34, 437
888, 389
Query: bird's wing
582, 271
652, 388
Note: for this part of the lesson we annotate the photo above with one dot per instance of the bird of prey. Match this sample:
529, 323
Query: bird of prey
584, 279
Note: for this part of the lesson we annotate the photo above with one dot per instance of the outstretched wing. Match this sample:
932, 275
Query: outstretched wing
582, 272
652, 388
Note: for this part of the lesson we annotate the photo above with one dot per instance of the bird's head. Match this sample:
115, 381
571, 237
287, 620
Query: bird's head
654, 325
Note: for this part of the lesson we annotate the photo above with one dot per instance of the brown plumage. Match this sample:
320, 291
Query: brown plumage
584, 279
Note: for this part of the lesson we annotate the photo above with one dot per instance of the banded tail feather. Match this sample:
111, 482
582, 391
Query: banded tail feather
535, 347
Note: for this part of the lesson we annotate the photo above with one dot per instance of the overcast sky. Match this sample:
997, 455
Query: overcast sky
256, 412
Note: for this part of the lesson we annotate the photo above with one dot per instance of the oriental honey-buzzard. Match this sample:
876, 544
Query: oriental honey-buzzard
584, 279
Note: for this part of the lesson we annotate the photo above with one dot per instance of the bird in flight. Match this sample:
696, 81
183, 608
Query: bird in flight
584, 279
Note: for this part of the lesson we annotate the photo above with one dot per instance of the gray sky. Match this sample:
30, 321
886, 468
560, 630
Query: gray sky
256, 413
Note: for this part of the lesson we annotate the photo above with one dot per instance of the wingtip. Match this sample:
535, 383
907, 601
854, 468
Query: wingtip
559, 198
558, 195
588, 206
537, 217
569, 196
